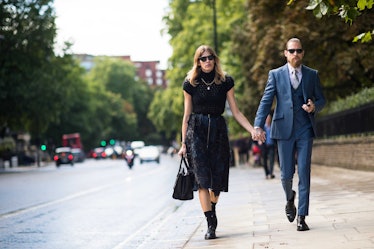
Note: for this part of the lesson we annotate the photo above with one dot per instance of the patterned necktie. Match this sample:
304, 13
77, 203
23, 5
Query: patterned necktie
294, 79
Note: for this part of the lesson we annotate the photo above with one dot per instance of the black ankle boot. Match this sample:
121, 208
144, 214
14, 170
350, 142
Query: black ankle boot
210, 234
212, 225
214, 221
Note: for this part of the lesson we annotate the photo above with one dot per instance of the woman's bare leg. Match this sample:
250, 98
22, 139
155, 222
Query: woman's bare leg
204, 198
213, 197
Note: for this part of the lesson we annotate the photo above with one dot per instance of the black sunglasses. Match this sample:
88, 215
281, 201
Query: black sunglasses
204, 58
299, 50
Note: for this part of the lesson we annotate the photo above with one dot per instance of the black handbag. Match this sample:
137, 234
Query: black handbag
184, 184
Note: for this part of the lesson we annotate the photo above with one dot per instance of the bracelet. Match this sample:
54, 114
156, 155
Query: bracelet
183, 142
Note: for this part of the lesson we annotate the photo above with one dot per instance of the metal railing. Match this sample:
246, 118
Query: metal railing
353, 121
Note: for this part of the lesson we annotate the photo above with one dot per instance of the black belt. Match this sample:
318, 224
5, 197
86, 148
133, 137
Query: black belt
208, 115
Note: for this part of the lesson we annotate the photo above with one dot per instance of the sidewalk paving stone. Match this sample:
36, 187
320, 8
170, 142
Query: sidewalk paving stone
251, 215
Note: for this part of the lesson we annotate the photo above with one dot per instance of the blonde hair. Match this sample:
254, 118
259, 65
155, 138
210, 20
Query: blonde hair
196, 68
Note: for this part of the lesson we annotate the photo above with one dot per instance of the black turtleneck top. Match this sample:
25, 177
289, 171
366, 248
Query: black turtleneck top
208, 98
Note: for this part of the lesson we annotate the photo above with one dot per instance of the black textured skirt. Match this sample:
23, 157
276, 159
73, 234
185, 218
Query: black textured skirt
208, 151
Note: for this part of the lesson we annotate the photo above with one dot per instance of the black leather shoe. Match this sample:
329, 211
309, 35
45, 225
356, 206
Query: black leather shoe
301, 224
291, 208
211, 233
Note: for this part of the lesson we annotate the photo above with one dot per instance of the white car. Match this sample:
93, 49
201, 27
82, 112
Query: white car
136, 146
149, 153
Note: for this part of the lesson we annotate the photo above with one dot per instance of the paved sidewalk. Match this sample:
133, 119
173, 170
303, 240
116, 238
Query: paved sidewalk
251, 215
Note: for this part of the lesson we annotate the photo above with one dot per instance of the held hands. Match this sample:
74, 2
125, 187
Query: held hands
259, 135
309, 107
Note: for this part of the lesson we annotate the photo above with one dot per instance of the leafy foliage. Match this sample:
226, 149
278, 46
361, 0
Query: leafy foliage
251, 39
27, 85
162, 111
190, 24
344, 67
348, 10
363, 97
122, 101
49, 95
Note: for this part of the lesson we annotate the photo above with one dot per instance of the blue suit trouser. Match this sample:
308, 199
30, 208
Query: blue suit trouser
290, 150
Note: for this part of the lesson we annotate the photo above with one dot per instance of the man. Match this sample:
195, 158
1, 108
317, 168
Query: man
298, 97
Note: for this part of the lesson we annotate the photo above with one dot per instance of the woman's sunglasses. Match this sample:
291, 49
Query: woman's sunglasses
204, 58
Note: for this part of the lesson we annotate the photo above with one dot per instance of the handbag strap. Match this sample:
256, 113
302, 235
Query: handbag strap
183, 166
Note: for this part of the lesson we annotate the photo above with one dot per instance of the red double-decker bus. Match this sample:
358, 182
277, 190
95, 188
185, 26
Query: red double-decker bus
72, 140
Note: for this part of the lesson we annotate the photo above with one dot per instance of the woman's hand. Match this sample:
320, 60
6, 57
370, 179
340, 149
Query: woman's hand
182, 151
259, 135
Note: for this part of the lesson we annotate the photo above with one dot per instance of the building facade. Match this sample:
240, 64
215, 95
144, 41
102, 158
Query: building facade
148, 71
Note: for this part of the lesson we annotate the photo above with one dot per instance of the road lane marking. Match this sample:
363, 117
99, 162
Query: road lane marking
50, 203
67, 198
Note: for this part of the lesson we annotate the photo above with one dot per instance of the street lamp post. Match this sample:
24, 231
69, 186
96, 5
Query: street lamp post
215, 39
215, 26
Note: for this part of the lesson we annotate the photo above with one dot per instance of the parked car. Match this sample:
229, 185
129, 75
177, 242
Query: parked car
149, 153
99, 153
78, 154
63, 155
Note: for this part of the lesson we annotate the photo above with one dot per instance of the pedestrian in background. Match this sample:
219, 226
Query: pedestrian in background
256, 153
204, 131
299, 97
268, 150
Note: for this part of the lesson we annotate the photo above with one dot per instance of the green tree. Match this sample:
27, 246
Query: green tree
27, 89
129, 118
190, 24
251, 38
76, 106
344, 67
348, 10
49, 95
105, 103
142, 98
164, 107
117, 75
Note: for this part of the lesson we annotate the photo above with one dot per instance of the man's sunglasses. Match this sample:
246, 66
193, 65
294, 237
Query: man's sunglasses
204, 58
299, 50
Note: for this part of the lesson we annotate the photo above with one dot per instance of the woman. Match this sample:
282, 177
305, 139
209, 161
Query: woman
204, 132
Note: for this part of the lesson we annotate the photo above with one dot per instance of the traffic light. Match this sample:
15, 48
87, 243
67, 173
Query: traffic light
103, 143
112, 141
43, 147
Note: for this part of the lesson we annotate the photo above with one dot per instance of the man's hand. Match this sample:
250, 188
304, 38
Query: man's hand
259, 135
309, 107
